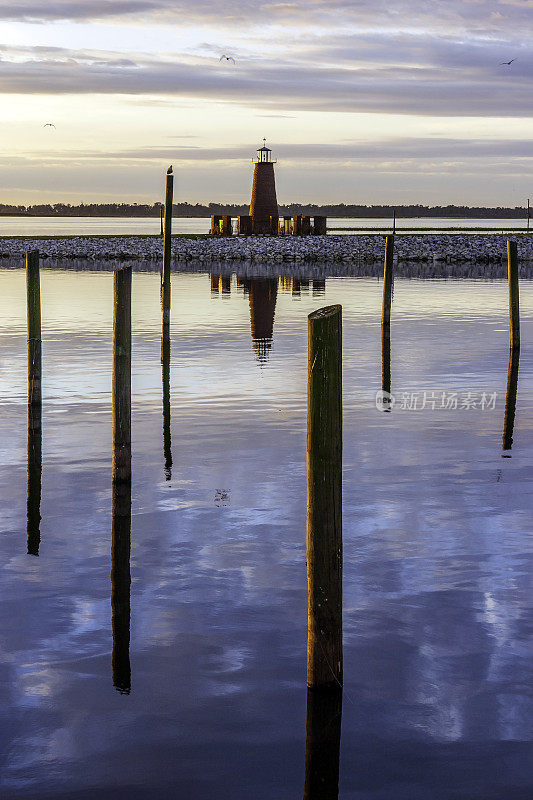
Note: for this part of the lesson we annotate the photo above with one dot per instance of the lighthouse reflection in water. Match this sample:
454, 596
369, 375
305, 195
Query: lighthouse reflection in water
262, 294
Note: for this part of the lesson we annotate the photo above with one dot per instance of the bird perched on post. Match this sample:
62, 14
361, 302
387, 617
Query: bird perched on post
227, 58
507, 63
169, 170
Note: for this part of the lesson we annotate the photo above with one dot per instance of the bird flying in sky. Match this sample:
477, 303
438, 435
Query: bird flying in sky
507, 62
49, 125
227, 58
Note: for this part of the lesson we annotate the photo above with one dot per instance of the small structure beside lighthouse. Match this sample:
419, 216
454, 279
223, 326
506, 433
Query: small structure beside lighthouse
264, 204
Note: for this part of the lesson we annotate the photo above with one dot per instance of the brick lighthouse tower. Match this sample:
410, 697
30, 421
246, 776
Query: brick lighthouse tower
264, 205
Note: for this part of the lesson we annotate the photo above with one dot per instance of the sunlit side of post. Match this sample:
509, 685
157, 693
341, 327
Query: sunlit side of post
324, 498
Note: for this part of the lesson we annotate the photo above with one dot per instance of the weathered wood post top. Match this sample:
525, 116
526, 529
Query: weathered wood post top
33, 290
514, 299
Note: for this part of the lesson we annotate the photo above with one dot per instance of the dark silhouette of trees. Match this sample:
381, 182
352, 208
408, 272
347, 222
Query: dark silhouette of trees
200, 210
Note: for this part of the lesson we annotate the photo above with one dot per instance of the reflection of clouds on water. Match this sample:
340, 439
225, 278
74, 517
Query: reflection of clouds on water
228, 660
437, 595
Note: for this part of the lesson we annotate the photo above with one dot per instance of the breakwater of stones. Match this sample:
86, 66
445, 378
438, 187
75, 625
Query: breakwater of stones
435, 250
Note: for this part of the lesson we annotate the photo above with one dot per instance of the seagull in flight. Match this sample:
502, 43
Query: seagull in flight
507, 63
49, 125
227, 58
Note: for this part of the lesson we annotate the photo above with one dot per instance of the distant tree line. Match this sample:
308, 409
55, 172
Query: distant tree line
199, 210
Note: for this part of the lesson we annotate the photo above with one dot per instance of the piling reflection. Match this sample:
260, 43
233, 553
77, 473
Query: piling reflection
167, 438
34, 479
296, 286
510, 402
319, 287
220, 284
120, 585
385, 367
322, 746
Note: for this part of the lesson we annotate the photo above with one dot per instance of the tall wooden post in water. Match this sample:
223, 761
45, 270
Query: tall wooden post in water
33, 291
122, 375
514, 303
167, 245
388, 278
324, 498
388, 282
121, 532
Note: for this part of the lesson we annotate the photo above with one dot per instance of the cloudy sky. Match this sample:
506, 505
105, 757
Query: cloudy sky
362, 101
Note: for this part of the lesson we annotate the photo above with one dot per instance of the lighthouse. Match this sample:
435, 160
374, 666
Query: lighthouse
264, 204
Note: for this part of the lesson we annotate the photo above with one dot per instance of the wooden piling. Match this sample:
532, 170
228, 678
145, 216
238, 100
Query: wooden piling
121, 531
514, 303
244, 225
121, 586
322, 744
33, 291
122, 375
324, 497
33, 297
388, 277
161, 229
167, 244
320, 226
510, 401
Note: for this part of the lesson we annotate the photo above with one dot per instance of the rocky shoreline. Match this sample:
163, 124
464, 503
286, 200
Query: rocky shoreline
348, 249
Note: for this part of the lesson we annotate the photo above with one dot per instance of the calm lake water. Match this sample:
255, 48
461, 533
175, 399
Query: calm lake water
207, 698
94, 226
